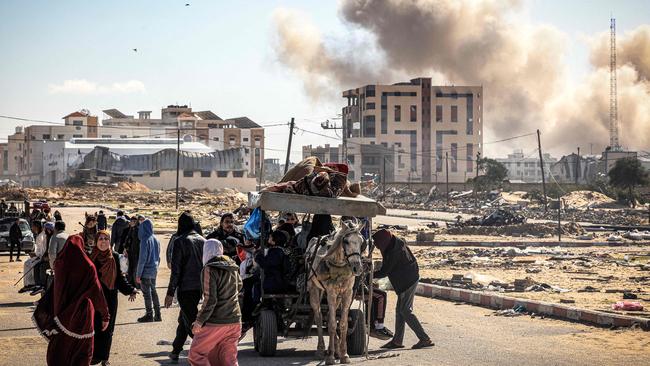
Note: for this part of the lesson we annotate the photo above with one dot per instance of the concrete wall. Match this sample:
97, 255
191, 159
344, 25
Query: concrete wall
167, 180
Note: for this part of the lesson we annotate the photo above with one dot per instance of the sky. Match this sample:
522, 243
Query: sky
62, 56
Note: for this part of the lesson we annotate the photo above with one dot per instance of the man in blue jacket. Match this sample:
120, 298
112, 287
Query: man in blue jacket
401, 268
147, 271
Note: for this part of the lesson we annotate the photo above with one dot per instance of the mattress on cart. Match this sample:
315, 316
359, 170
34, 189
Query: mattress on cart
360, 206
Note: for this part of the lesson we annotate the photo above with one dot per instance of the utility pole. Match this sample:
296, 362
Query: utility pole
478, 162
259, 185
578, 165
178, 160
326, 126
286, 164
559, 225
383, 176
447, 174
541, 164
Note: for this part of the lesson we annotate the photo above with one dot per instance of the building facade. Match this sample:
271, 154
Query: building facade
526, 168
326, 154
411, 131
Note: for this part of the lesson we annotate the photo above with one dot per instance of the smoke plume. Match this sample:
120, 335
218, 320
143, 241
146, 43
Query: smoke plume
481, 42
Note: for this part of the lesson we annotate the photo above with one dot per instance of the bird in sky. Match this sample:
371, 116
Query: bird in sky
135, 50
187, 4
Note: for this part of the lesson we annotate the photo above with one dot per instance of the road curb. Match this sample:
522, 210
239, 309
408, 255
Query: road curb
500, 302
495, 244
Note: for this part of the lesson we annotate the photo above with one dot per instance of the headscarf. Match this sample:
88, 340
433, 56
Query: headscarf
211, 248
105, 263
185, 224
75, 293
49, 225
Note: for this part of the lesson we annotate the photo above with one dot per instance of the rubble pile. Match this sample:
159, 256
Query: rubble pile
587, 199
518, 230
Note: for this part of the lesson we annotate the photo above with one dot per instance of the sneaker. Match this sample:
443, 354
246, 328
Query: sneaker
11, 260
147, 318
36, 291
423, 343
391, 345
173, 356
25, 289
106, 363
382, 334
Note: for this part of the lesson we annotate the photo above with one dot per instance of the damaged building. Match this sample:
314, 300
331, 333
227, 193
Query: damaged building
151, 162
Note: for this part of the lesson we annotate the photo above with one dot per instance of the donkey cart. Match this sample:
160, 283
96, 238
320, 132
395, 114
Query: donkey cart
336, 275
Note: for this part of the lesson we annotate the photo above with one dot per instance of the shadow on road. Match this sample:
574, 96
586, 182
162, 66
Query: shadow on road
16, 304
165, 359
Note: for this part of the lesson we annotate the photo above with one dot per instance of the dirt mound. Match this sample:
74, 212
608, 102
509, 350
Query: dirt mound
132, 186
13, 194
584, 199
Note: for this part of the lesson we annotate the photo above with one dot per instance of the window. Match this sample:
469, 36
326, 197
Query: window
370, 91
470, 157
188, 173
46, 137
78, 128
60, 137
245, 139
206, 174
215, 138
439, 113
123, 136
398, 113
370, 105
414, 113
369, 126
238, 174
351, 159
222, 174
77, 123
77, 136
454, 157
33, 137
106, 136
156, 174
454, 113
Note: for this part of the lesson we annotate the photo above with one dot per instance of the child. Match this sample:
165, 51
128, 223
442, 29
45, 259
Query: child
271, 260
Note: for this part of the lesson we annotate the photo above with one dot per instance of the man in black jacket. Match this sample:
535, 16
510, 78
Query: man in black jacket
15, 240
402, 270
185, 279
226, 230
117, 232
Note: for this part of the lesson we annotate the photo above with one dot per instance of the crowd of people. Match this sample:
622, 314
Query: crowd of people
80, 277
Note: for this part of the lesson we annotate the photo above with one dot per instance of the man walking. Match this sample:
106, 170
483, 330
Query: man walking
101, 221
402, 270
185, 279
117, 231
15, 240
148, 271
57, 241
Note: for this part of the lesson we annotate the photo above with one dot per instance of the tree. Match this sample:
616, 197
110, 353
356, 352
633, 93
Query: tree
626, 174
495, 173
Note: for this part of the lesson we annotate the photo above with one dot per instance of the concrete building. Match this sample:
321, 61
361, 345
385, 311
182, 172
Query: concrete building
571, 169
26, 149
410, 127
526, 168
326, 154
151, 162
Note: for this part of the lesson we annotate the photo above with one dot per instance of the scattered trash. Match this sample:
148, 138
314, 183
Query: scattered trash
567, 301
630, 296
516, 311
628, 306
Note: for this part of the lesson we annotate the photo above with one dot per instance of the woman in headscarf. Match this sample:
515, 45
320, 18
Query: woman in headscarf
112, 280
218, 324
65, 314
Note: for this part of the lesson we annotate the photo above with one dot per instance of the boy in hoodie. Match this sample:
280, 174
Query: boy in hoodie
147, 271
271, 260
218, 324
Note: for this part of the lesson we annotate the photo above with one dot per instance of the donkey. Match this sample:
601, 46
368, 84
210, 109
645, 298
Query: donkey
331, 271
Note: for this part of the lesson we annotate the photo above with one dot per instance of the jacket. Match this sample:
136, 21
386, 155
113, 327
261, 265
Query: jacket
101, 222
221, 284
149, 256
228, 249
187, 263
273, 265
117, 231
56, 244
399, 265
15, 234
130, 241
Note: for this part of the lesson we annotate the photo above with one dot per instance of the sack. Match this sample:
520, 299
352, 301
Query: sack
124, 263
253, 227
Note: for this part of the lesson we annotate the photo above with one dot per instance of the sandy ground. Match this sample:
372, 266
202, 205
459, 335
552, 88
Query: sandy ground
464, 335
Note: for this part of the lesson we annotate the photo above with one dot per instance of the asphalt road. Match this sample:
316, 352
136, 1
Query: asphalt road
464, 335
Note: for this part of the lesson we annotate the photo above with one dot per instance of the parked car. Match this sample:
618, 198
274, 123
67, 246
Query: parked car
28, 238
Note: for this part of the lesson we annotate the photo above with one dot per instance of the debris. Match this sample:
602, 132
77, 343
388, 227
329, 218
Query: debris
630, 296
567, 301
628, 306
516, 311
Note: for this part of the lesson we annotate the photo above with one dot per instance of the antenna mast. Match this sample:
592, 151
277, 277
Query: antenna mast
613, 103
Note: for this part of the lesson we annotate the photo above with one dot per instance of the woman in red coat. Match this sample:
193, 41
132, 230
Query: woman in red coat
65, 314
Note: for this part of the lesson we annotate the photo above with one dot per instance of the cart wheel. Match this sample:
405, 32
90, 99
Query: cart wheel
267, 334
357, 339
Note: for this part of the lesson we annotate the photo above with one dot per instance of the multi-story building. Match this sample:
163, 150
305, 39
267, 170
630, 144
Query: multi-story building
409, 129
326, 154
526, 168
24, 150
